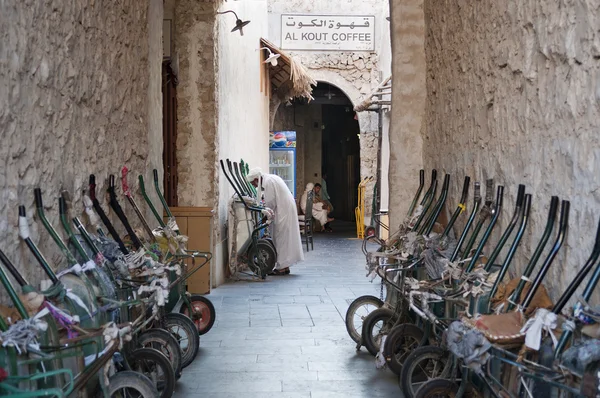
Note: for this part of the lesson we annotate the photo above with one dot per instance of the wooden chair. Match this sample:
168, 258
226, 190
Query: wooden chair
305, 223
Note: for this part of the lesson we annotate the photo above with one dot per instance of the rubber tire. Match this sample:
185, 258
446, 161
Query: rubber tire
397, 336
380, 314
418, 355
435, 387
370, 231
270, 242
162, 340
161, 362
189, 353
206, 307
132, 380
354, 306
260, 268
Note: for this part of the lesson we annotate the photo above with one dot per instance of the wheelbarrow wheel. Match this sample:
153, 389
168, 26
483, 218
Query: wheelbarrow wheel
164, 342
264, 258
402, 340
131, 385
271, 243
203, 313
358, 310
156, 366
186, 334
376, 325
438, 388
370, 231
423, 365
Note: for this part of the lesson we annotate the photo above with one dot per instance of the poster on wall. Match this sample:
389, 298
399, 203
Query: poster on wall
327, 32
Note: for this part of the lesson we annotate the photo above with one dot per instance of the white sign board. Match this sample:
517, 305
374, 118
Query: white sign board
327, 32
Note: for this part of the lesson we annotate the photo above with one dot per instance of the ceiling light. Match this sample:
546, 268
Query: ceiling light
239, 24
272, 58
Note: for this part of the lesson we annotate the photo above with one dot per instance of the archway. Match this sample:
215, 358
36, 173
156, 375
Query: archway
327, 133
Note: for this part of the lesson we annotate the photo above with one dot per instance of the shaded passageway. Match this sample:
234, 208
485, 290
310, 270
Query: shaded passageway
327, 134
286, 337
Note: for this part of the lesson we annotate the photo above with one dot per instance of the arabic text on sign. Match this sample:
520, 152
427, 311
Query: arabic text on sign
314, 32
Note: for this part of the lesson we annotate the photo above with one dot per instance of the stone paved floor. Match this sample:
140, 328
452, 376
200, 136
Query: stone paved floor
286, 338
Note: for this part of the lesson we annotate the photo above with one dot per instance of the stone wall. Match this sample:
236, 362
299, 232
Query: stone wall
513, 93
196, 102
360, 69
77, 98
408, 105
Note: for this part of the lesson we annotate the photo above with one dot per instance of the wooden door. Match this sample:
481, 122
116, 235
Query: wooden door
169, 90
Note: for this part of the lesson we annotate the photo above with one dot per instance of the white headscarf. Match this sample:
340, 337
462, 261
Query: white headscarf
254, 174
309, 187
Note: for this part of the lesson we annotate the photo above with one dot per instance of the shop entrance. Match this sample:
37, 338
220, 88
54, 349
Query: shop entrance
327, 135
340, 155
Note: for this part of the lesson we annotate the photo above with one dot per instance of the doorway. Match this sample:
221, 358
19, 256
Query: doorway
340, 156
327, 139
169, 92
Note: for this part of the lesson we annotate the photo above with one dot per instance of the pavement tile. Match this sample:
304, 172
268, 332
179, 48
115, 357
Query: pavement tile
278, 300
351, 386
265, 315
252, 350
308, 299
297, 322
265, 322
266, 385
217, 366
204, 343
270, 394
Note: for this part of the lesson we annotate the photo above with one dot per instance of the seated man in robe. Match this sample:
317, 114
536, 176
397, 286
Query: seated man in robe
318, 198
319, 210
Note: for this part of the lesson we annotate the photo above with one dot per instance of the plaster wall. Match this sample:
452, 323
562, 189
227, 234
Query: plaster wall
513, 93
408, 105
243, 110
80, 95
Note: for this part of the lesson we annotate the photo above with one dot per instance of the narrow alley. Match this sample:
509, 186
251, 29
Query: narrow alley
164, 161
286, 337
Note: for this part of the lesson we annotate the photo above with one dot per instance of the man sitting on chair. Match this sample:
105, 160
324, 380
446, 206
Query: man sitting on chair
319, 210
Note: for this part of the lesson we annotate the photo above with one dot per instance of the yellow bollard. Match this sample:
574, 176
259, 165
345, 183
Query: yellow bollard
359, 212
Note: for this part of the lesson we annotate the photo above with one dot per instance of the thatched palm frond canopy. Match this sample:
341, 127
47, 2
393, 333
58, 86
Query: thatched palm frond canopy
288, 78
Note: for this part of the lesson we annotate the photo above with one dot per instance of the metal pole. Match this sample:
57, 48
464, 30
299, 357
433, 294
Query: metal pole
378, 182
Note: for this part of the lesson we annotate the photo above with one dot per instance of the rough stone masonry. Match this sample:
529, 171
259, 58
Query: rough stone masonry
513, 93
75, 98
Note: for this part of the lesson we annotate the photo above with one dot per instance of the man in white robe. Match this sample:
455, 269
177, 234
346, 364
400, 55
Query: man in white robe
319, 209
286, 233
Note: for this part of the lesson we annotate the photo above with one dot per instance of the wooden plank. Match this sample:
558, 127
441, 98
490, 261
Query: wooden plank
191, 211
199, 239
262, 70
197, 226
